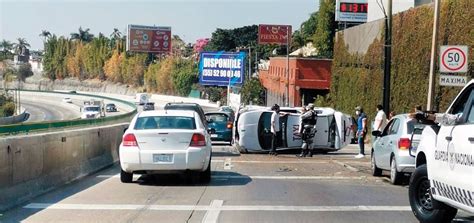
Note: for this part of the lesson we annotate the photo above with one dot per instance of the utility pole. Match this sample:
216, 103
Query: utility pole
250, 62
431, 87
388, 58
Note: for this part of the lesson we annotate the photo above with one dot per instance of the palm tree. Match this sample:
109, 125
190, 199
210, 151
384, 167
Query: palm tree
45, 34
82, 35
116, 38
21, 46
6, 47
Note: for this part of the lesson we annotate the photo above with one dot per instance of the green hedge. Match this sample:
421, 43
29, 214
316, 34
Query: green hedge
357, 79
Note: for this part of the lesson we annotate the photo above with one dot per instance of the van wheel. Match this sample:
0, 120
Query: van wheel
126, 177
395, 176
425, 208
375, 170
205, 177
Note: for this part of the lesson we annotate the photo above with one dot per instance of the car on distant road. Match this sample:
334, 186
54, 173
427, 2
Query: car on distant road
110, 107
220, 126
149, 106
67, 100
391, 148
91, 112
166, 142
187, 106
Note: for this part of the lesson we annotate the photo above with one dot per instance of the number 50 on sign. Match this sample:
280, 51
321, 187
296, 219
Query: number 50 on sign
453, 59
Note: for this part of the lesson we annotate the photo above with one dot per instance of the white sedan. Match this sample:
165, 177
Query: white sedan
67, 100
165, 142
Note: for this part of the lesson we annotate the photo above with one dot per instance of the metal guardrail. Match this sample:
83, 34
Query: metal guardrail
42, 126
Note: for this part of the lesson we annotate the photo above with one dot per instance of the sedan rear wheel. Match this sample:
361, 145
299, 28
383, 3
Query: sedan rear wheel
205, 177
126, 177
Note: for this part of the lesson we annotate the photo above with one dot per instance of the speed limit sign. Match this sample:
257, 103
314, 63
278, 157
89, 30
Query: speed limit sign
453, 59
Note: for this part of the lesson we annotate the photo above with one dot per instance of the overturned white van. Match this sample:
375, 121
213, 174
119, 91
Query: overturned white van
253, 131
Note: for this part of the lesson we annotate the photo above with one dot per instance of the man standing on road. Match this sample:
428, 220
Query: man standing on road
361, 130
380, 119
275, 128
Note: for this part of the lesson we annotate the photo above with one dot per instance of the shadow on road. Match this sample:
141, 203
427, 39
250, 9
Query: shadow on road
218, 178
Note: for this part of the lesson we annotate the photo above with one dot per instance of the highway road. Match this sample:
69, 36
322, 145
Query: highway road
50, 107
333, 187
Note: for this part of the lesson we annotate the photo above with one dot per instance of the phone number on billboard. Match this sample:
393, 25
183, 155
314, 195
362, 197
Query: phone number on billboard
221, 73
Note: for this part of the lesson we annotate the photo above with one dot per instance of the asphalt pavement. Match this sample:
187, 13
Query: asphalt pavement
332, 187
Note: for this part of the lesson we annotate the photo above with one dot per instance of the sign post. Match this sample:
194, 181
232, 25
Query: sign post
278, 34
452, 60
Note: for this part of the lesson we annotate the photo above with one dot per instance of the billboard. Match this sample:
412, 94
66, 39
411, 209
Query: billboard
274, 34
221, 68
351, 11
149, 39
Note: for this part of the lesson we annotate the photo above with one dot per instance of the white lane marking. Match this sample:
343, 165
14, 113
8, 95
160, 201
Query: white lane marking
213, 214
273, 162
268, 177
228, 164
216, 206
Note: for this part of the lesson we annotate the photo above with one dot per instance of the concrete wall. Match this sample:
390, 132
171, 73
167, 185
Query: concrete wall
34, 164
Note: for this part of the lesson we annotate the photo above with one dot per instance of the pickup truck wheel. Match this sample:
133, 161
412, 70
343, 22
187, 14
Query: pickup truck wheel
422, 204
395, 176
375, 170
126, 177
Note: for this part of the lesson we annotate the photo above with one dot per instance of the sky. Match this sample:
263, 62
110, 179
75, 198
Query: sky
190, 19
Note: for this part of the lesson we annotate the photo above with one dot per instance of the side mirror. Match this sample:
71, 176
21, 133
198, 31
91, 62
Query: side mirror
125, 129
377, 133
211, 130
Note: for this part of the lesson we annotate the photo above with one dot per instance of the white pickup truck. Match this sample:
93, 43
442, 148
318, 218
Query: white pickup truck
443, 181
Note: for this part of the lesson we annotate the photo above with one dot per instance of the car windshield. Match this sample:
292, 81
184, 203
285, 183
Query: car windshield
165, 122
91, 109
110, 105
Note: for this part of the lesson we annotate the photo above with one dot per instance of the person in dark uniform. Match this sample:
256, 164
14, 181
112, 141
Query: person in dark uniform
308, 130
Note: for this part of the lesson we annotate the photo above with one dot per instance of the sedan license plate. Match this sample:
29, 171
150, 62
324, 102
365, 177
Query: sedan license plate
214, 135
162, 158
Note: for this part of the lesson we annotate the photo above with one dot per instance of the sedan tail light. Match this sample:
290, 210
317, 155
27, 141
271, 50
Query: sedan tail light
404, 143
129, 140
198, 140
229, 125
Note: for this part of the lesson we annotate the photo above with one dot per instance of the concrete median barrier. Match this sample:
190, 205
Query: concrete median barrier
31, 165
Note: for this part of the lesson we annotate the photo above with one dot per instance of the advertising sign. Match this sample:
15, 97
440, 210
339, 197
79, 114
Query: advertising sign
274, 34
453, 59
453, 80
149, 39
221, 68
351, 11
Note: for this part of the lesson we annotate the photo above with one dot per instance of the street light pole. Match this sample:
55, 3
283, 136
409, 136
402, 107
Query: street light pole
388, 58
429, 104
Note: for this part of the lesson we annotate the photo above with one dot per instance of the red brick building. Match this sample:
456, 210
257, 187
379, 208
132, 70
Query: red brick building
308, 78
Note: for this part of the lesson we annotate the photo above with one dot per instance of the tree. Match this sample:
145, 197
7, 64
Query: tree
21, 46
45, 34
253, 91
82, 35
116, 39
6, 47
323, 38
24, 71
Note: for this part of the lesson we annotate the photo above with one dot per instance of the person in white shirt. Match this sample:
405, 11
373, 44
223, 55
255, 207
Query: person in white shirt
380, 119
275, 128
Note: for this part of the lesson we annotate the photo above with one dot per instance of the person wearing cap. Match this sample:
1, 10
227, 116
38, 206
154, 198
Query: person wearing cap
361, 130
275, 128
